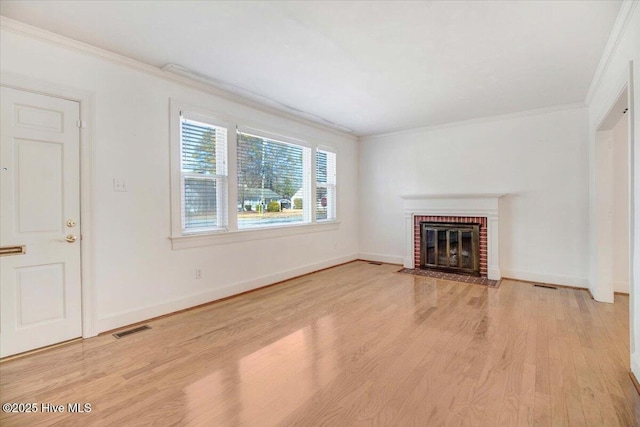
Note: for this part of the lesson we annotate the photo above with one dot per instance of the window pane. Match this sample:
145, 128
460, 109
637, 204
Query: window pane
203, 155
200, 207
270, 182
321, 167
198, 147
321, 203
325, 185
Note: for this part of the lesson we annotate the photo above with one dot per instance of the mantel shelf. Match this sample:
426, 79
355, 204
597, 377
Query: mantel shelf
453, 196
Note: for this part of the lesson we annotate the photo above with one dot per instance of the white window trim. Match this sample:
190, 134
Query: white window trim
220, 179
202, 115
231, 233
247, 235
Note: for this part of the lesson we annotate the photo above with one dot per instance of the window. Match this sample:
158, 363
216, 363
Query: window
273, 182
203, 173
231, 183
325, 185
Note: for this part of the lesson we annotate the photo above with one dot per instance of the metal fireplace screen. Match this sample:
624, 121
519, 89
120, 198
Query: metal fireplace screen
450, 247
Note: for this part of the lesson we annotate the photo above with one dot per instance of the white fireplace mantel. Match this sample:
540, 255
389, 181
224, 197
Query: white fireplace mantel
455, 204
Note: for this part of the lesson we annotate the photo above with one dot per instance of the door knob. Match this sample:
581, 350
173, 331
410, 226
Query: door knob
70, 238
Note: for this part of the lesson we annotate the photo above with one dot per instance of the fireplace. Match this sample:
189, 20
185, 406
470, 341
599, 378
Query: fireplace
462, 223
457, 208
451, 247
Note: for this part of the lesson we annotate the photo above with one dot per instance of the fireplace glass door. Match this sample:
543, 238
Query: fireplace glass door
450, 247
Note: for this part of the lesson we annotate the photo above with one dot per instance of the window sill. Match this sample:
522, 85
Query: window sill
226, 237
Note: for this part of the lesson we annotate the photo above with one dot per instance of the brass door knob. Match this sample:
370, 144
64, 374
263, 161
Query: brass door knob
71, 238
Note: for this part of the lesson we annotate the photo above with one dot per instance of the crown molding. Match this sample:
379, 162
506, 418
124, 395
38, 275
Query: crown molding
47, 36
619, 27
479, 120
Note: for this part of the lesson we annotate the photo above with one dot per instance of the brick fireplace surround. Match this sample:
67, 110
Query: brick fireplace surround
479, 208
456, 219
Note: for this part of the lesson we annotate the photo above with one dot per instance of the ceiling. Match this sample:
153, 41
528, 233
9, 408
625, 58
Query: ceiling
371, 67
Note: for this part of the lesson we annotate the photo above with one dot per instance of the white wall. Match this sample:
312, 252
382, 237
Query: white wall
136, 273
539, 159
607, 89
620, 196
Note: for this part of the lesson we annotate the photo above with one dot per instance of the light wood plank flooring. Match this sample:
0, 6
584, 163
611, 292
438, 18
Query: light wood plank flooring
358, 344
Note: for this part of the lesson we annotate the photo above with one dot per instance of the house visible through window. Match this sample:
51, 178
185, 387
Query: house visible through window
273, 182
277, 181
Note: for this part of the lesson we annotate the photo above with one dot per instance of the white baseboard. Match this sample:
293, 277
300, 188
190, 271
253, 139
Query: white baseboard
621, 287
381, 258
121, 319
602, 293
635, 364
575, 282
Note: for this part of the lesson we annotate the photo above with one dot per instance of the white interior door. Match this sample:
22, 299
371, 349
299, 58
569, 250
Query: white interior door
40, 289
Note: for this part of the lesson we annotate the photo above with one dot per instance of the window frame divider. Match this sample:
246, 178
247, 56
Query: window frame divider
232, 168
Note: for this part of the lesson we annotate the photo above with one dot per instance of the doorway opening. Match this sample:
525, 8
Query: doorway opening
613, 181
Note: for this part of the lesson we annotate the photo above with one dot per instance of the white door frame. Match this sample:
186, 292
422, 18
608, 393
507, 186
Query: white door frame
87, 250
601, 291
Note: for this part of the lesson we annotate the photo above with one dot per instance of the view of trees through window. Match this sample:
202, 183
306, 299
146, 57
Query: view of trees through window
271, 181
203, 175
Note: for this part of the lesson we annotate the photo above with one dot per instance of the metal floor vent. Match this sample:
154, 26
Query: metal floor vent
375, 263
131, 331
546, 286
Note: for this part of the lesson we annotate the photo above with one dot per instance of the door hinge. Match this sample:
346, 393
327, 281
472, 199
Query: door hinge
81, 124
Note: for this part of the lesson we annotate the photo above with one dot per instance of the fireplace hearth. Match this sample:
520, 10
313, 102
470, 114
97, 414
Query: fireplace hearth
450, 247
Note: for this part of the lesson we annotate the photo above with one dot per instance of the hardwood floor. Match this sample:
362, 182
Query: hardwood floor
357, 344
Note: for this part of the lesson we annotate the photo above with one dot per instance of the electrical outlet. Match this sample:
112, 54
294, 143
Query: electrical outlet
119, 185
198, 274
